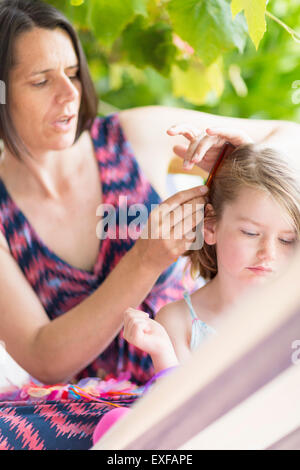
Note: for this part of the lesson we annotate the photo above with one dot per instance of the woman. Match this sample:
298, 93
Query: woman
63, 293
57, 263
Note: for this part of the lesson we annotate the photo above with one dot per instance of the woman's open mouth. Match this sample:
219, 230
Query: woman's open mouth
64, 123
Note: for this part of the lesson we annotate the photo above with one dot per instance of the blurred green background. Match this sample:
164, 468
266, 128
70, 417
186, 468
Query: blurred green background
192, 54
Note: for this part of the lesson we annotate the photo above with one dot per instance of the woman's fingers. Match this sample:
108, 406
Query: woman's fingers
204, 146
180, 150
179, 216
187, 213
198, 150
193, 134
191, 228
160, 244
189, 131
235, 137
179, 199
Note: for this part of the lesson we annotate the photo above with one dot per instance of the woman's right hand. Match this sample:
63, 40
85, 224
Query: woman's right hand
170, 229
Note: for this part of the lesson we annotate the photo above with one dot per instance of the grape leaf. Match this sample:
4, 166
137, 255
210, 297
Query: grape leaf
255, 15
109, 18
208, 27
152, 46
195, 83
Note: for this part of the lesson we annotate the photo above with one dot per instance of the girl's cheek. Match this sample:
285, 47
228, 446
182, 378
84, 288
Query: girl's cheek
236, 253
285, 253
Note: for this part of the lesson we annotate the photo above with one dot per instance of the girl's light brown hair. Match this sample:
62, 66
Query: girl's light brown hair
248, 166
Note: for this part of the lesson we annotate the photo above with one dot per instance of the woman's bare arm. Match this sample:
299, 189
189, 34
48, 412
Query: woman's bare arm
53, 351
146, 129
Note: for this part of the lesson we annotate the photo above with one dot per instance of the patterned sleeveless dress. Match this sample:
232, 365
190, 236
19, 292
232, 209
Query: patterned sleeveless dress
60, 287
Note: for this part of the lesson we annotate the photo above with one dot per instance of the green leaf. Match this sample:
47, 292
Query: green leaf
255, 15
108, 18
118, 71
198, 81
152, 46
207, 26
76, 3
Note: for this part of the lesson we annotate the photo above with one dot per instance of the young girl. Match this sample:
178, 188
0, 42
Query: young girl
251, 227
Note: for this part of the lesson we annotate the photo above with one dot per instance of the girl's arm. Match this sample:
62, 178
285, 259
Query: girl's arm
175, 320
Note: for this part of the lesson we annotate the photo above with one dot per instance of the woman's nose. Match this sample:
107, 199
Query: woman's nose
67, 91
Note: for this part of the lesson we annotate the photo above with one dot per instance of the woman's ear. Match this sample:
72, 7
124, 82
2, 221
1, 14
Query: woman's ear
210, 225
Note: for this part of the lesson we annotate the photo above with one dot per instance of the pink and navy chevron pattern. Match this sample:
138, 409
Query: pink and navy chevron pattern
61, 287
65, 425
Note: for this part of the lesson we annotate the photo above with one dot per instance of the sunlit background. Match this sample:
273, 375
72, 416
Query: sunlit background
192, 54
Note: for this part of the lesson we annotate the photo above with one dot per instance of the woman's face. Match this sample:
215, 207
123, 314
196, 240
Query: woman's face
45, 92
254, 238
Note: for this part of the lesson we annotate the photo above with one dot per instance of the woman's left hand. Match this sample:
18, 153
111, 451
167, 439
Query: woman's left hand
205, 145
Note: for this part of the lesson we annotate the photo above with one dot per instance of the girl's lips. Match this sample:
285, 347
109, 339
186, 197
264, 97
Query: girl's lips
260, 270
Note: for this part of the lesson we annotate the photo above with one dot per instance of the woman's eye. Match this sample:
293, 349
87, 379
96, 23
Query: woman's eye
250, 234
40, 83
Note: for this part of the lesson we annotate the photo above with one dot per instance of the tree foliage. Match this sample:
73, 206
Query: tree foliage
233, 57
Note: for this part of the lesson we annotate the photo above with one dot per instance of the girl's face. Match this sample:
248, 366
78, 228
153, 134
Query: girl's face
254, 237
45, 92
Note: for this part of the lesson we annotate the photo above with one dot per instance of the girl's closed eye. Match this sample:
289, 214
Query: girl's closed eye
249, 233
288, 242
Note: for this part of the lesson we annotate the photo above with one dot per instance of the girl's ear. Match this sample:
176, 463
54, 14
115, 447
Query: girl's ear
210, 225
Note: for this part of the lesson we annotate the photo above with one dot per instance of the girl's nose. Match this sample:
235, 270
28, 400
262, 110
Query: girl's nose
267, 250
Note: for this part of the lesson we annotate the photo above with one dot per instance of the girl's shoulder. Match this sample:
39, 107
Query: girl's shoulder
174, 317
172, 312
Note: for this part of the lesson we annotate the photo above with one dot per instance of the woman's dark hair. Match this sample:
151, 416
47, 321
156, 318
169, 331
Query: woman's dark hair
20, 16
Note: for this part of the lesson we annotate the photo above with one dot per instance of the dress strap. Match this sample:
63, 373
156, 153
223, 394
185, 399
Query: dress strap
188, 300
200, 330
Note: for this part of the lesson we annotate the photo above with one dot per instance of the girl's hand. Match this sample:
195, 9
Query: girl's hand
149, 336
205, 145
145, 333
173, 227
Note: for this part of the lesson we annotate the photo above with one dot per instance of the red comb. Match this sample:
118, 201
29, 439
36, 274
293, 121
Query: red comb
217, 164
